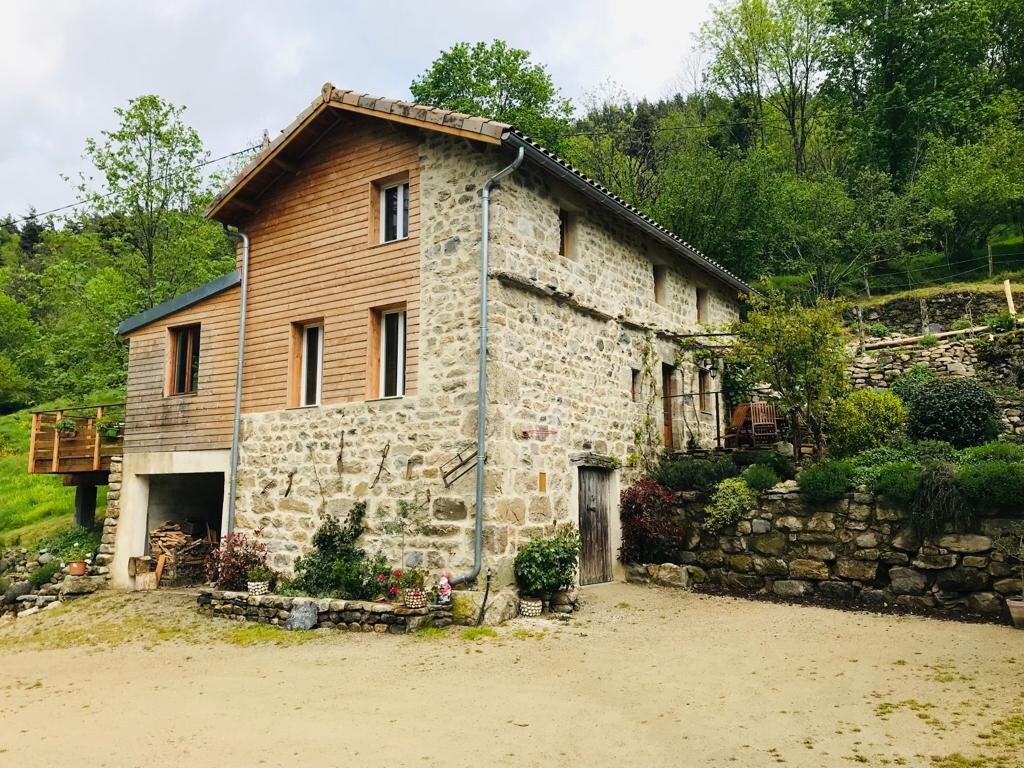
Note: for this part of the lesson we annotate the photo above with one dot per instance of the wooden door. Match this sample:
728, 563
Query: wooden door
596, 556
667, 393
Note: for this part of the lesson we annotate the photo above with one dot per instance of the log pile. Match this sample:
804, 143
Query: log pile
182, 555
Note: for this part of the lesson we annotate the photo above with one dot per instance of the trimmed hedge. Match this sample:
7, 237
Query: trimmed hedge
826, 481
688, 473
760, 477
899, 482
865, 419
961, 412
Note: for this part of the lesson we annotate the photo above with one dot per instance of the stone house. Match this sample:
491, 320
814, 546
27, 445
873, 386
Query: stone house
358, 294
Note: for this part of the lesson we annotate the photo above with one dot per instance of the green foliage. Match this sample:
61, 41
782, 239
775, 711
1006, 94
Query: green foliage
865, 419
961, 324
737, 383
961, 412
545, 565
337, 567
898, 482
497, 81
878, 330
1001, 322
928, 341
760, 477
43, 574
998, 450
731, 500
781, 465
993, 485
939, 502
1005, 350
800, 352
691, 473
826, 481
4, 584
906, 385
260, 573
71, 543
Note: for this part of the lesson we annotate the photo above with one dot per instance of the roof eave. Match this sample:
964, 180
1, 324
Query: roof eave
178, 303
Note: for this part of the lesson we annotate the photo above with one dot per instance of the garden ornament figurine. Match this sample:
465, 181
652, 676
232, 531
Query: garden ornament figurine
444, 588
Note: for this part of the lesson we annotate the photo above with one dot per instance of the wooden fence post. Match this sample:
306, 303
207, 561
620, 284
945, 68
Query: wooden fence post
32, 443
56, 441
96, 438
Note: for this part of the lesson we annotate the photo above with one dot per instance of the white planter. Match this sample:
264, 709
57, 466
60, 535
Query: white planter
257, 588
530, 607
1016, 606
413, 599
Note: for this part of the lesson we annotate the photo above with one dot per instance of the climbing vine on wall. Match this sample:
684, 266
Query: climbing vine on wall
646, 438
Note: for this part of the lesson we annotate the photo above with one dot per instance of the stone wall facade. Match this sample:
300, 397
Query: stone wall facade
859, 550
568, 334
953, 358
105, 553
350, 615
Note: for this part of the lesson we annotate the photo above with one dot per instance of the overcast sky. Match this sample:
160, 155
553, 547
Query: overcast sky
241, 67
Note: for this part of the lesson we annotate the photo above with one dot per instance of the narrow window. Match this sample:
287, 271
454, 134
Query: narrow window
391, 330
394, 212
635, 384
660, 284
704, 389
307, 363
702, 305
184, 359
564, 232
667, 372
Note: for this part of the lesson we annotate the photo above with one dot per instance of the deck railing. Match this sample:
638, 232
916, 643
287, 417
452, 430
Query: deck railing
75, 440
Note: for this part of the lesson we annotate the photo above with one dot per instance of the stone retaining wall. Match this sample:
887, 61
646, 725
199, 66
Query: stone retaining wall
351, 615
903, 315
105, 553
955, 358
858, 550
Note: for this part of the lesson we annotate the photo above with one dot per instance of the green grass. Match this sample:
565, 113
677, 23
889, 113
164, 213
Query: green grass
478, 633
33, 507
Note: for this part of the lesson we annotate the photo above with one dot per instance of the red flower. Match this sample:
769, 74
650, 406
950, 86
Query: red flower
398, 574
393, 591
382, 577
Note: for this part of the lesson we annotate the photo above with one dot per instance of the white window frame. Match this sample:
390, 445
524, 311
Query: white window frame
400, 388
305, 367
401, 225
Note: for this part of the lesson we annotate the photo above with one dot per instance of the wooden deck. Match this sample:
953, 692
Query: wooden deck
81, 451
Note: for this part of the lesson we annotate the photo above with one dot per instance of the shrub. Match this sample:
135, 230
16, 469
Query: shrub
229, 564
961, 412
780, 464
336, 566
826, 481
760, 477
867, 418
546, 565
961, 324
652, 528
866, 466
994, 451
43, 574
687, 473
938, 501
71, 543
928, 341
933, 450
878, 330
993, 484
899, 482
1001, 322
260, 573
731, 500
906, 385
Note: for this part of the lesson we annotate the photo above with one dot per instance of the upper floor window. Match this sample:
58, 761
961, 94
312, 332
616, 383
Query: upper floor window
184, 360
564, 232
387, 340
394, 212
660, 283
702, 305
307, 363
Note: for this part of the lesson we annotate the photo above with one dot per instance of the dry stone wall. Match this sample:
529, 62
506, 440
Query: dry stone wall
859, 550
904, 315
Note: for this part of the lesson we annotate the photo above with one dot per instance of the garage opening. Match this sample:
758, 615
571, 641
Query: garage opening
183, 524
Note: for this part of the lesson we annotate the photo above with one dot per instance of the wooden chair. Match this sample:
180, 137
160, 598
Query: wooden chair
764, 426
737, 425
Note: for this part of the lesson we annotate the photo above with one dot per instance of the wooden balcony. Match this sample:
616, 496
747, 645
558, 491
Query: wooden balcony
76, 441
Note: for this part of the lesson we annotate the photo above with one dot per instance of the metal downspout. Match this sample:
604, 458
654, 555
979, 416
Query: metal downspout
233, 482
481, 402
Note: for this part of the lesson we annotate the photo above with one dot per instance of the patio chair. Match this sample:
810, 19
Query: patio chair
738, 425
764, 425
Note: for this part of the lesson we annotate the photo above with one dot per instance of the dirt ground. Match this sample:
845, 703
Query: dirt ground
642, 676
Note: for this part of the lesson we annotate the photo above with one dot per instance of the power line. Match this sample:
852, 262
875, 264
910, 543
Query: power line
76, 203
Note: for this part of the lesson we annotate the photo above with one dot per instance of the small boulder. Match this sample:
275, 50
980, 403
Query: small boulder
985, 603
15, 591
840, 591
75, 586
301, 616
671, 575
791, 588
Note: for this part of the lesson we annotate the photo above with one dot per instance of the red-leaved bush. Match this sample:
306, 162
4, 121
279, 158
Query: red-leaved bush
228, 565
653, 530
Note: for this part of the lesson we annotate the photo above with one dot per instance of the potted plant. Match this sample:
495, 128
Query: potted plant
109, 428
546, 565
76, 559
66, 427
410, 583
259, 579
1011, 544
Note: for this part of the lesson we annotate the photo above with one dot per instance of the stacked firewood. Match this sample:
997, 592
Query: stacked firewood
183, 556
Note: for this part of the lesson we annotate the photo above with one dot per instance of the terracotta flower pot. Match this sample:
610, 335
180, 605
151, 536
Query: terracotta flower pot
77, 568
1016, 606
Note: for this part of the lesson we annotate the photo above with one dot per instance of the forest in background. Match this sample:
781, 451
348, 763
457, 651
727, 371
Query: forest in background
834, 146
